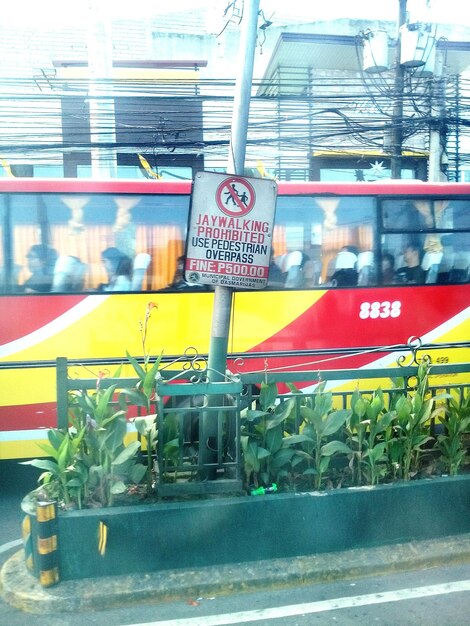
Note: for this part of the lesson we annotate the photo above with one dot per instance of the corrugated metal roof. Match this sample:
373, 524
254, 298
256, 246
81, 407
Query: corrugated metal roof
315, 51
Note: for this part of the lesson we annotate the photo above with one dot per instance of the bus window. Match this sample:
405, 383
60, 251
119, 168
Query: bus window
407, 215
434, 230
149, 230
453, 214
313, 234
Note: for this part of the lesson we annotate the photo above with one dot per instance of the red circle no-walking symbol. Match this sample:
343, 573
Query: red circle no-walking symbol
235, 196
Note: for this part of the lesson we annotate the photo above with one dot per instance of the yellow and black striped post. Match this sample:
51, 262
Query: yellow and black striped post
27, 542
47, 544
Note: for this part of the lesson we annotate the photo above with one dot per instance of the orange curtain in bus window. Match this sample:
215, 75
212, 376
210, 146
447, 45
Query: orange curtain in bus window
365, 238
279, 240
164, 244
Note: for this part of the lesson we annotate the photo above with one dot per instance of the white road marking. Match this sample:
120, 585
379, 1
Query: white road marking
10, 545
316, 607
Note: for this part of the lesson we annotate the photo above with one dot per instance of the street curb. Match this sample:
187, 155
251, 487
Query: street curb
22, 590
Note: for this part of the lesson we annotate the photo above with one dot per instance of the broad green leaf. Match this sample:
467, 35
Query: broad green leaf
250, 454
307, 414
324, 463
293, 389
137, 472
377, 452
293, 439
334, 421
262, 453
44, 464
384, 422
127, 453
139, 370
74, 482
335, 447
48, 449
358, 405
135, 397
114, 436
416, 403
310, 471
296, 459
149, 380
268, 395
144, 424
253, 415
377, 404
323, 404
274, 439
106, 424
281, 413
55, 437
118, 487
403, 408
281, 458
102, 408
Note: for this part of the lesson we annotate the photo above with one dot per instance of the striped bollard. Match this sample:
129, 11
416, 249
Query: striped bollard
47, 544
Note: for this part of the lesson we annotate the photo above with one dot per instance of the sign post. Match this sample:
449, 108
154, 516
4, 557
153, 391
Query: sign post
236, 161
228, 246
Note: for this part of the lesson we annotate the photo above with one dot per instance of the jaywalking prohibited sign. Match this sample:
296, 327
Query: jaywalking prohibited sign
230, 231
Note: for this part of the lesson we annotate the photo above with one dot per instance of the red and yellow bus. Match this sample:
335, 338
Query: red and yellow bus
357, 269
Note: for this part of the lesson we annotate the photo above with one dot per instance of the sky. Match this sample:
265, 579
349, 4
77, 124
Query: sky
60, 12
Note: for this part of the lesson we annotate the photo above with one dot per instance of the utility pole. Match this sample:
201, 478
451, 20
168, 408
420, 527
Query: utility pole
101, 102
436, 131
222, 308
397, 114
235, 165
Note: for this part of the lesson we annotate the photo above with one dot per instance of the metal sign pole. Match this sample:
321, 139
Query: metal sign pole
221, 314
236, 161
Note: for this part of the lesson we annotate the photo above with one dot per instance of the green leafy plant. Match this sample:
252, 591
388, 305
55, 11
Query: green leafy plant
110, 463
456, 424
414, 414
366, 428
321, 421
262, 440
65, 475
90, 462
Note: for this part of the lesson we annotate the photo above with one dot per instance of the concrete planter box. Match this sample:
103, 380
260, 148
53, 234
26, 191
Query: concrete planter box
168, 536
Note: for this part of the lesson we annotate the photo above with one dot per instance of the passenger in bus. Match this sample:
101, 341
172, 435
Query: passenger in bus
292, 264
411, 272
179, 282
388, 268
119, 269
41, 261
69, 274
276, 277
345, 274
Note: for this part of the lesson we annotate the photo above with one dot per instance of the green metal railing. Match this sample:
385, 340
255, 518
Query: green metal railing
182, 406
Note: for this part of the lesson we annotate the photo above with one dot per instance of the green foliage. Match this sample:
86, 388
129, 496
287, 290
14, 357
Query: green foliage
90, 462
368, 422
380, 438
456, 425
264, 454
65, 474
320, 422
111, 465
